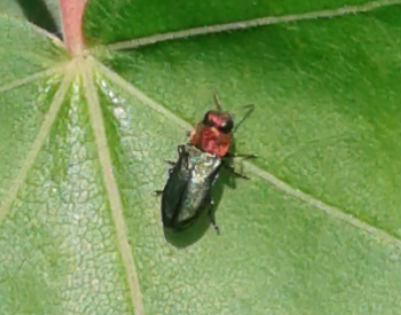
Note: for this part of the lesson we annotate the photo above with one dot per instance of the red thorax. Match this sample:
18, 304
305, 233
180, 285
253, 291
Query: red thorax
210, 140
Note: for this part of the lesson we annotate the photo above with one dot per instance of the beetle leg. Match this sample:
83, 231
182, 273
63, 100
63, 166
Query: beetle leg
158, 192
188, 133
213, 219
231, 168
181, 149
217, 101
245, 156
169, 162
250, 108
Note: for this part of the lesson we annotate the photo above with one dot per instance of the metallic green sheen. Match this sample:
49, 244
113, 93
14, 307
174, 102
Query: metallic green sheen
187, 192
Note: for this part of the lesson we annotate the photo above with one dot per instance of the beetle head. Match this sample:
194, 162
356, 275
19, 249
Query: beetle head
220, 120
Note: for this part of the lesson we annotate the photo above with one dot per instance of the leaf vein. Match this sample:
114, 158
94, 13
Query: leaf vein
111, 186
263, 21
19, 82
38, 142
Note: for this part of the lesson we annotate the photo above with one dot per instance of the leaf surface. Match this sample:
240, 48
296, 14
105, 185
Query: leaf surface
315, 230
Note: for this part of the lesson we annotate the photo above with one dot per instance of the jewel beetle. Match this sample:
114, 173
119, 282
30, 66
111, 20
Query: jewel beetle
187, 192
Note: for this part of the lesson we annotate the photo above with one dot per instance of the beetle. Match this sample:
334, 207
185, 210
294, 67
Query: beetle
187, 192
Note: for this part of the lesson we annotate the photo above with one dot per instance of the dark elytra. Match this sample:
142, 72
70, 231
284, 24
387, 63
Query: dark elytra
187, 192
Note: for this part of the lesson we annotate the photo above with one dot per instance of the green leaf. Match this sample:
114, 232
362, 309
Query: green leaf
316, 230
43, 13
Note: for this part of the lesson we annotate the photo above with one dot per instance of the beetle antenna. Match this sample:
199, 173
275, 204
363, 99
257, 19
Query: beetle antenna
250, 108
217, 101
